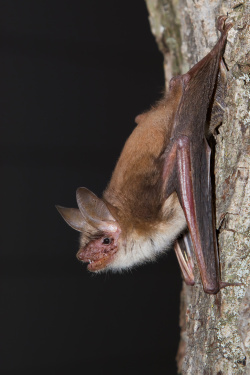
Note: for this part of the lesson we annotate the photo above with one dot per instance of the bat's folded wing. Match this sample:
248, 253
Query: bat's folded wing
191, 165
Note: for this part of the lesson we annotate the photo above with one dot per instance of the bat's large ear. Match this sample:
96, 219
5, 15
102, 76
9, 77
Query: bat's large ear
73, 217
95, 211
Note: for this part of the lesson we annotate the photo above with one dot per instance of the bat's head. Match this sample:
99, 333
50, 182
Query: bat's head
99, 230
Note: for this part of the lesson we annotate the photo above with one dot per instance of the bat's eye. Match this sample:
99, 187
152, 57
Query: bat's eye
106, 241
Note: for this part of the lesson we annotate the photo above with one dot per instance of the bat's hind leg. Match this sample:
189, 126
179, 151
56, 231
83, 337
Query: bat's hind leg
182, 249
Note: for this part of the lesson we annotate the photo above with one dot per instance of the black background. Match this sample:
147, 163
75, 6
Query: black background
74, 76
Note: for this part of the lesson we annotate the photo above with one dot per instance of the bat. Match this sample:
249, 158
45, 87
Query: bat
160, 190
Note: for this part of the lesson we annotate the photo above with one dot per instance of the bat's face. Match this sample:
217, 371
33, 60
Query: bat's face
100, 232
100, 252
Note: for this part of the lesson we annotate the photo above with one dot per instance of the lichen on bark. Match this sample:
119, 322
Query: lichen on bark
215, 330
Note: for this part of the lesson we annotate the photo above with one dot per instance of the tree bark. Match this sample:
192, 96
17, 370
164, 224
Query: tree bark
215, 330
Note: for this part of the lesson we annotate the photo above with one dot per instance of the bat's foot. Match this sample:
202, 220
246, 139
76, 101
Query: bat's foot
183, 253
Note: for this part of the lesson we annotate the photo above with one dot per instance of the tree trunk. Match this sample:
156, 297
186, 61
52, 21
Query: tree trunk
215, 330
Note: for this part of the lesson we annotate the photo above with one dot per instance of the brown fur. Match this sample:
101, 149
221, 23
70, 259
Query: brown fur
135, 193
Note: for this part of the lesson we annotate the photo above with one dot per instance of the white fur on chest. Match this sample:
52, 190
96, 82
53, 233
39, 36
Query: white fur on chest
140, 249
